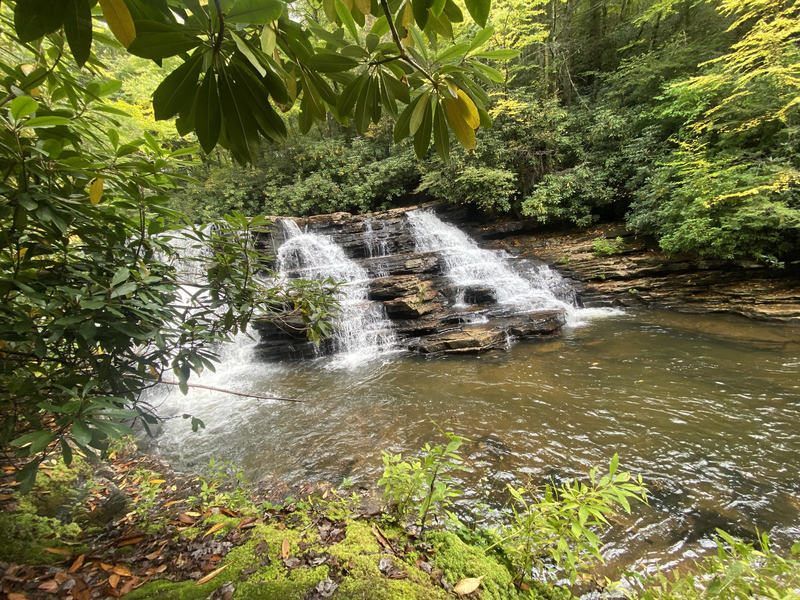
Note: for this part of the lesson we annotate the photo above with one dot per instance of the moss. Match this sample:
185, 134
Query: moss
57, 488
459, 560
25, 536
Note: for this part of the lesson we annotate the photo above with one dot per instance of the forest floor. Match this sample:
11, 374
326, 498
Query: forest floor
131, 527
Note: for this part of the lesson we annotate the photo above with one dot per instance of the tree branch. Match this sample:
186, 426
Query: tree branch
224, 391
403, 55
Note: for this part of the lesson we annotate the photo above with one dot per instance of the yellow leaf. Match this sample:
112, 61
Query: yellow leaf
468, 108
469, 585
464, 133
119, 20
211, 575
215, 528
285, 548
96, 190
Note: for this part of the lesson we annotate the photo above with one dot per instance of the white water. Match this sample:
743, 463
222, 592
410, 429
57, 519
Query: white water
362, 329
466, 264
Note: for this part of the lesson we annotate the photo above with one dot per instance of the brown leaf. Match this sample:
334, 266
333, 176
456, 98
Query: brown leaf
127, 587
106, 566
50, 587
78, 563
58, 551
285, 548
376, 531
61, 577
122, 570
468, 585
130, 541
228, 512
186, 518
156, 570
211, 575
215, 528
155, 553
172, 503
15, 596
113, 580
245, 522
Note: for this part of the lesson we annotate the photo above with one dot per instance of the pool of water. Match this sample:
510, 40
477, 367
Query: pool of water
704, 407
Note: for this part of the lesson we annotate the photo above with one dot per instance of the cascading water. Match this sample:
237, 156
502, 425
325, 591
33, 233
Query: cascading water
373, 243
362, 329
468, 265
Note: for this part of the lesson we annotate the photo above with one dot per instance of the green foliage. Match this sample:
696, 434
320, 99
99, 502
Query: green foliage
737, 571
423, 485
240, 61
490, 190
559, 525
603, 246
225, 485
95, 307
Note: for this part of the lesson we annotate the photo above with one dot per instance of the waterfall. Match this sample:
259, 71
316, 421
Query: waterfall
362, 328
373, 244
467, 265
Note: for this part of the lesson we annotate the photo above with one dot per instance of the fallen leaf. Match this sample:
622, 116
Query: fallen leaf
155, 553
245, 522
122, 570
187, 518
49, 586
113, 580
285, 548
106, 566
215, 528
58, 551
130, 541
15, 596
60, 577
211, 575
468, 585
172, 503
192, 514
127, 587
228, 512
78, 563
156, 570
157, 481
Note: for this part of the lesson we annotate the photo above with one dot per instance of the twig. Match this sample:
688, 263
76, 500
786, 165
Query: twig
224, 391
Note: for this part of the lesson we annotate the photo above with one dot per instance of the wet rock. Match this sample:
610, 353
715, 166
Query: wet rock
465, 340
481, 295
396, 286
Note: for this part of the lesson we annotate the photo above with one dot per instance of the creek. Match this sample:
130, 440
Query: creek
705, 407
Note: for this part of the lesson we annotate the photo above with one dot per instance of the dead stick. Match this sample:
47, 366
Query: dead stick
224, 391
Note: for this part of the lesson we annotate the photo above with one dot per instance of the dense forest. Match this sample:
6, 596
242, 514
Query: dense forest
680, 116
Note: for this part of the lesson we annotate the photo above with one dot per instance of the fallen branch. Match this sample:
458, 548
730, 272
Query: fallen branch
224, 391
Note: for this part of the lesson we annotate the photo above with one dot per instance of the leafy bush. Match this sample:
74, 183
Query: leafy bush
487, 189
423, 485
738, 571
602, 246
559, 526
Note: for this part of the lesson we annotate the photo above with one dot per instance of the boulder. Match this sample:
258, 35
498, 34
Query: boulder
476, 339
478, 294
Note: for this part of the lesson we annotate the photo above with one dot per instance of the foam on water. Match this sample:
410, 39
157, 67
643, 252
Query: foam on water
467, 264
363, 331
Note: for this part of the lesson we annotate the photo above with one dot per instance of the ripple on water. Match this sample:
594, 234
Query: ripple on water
704, 407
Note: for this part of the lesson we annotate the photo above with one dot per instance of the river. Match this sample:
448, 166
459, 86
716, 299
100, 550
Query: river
705, 407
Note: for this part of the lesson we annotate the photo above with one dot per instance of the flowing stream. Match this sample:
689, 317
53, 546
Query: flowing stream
704, 407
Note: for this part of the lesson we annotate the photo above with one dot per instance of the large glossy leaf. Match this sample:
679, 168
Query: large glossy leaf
347, 19
441, 134
254, 12
483, 36
119, 20
328, 62
420, 9
35, 18
239, 125
78, 29
422, 138
178, 89
503, 54
207, 118
160, 40
479, 9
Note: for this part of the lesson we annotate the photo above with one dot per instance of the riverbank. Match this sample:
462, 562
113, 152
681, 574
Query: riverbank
131, 527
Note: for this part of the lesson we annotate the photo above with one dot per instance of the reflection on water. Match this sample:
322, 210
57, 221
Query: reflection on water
705, 407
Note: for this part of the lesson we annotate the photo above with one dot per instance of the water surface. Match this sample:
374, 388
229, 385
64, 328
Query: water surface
704, 407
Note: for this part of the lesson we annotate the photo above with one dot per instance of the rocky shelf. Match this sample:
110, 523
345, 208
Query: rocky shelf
429, 313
